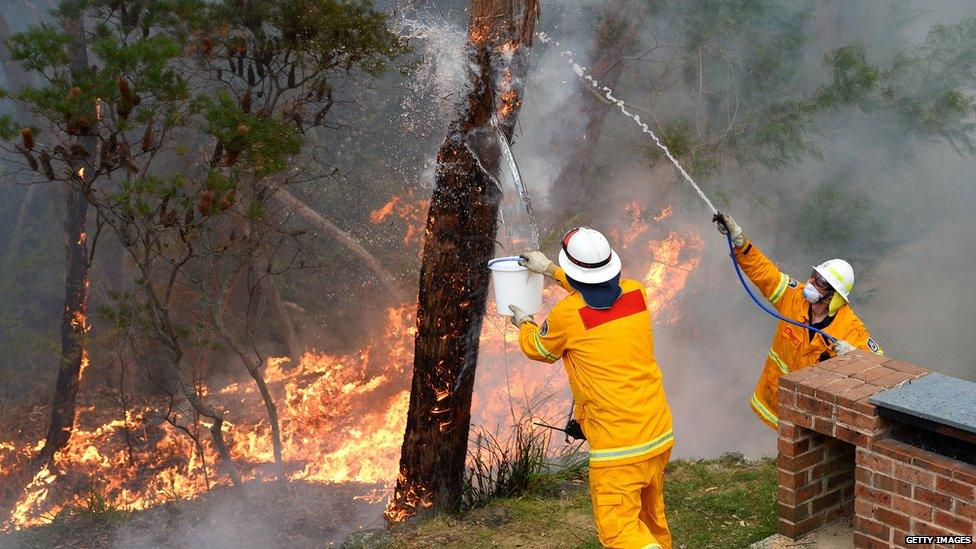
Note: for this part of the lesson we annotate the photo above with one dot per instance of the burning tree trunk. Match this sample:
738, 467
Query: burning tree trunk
460, 238
614, 37
74, 322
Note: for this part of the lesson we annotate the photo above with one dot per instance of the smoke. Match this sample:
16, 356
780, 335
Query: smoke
892, 203
255, 516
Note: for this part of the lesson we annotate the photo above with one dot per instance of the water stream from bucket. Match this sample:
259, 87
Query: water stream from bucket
515, 215
608, 93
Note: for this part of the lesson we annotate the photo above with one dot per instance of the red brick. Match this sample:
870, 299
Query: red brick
875, 462
839, 480
965, 472
870, 527
863, 508
790, 448
954, 488
934, 462
811, 384
898, 540
860, 392
845, 368
847, 434
797, 529
956, 524
791, 478
845, 509
793, 513
863, 474
872, 495
920, 528
935, 499
906, 367
801, 375
808, 492
799, 496
891, 518
787, 384
867, 358
965, 509
896, 450
802, 461
910, 507
893, 485
788, 430
830, 391
892, 380
871, 373
822, 425
865, 407
914, 475
786, 397
865, 541
823, 502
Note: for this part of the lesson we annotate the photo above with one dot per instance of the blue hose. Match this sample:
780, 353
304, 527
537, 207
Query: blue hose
772, 312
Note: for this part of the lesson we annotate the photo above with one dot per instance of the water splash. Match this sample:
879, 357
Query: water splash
440, 75
608, 93
515, 212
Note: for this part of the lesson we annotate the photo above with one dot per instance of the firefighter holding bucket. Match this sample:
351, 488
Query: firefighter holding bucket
602, 332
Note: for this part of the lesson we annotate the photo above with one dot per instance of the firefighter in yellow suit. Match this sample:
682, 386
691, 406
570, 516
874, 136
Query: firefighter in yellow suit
822, 302
602, 331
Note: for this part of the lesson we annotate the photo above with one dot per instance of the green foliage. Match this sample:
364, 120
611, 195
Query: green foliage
677, 135
853, 79
758, 40
8, 127
516, 466
264, 143
39, 49
836, 219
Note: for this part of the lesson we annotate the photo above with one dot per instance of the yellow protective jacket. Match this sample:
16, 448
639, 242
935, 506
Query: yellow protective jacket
792, 347
609, 356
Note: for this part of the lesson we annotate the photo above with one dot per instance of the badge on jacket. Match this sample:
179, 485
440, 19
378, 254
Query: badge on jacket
873, 345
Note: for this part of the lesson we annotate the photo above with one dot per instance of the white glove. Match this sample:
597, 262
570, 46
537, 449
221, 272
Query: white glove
519, 317
738, 237
537, 262
842, 347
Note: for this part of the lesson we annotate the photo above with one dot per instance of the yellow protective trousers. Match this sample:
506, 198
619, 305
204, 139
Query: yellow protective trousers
628, 504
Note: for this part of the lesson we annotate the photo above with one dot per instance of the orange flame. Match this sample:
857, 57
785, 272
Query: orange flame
342, 417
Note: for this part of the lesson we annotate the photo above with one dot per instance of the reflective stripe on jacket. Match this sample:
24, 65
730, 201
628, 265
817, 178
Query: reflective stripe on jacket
609, 357
792, 348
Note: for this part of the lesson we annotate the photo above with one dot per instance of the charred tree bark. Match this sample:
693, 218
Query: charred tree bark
615, 35
74, 316
460, 238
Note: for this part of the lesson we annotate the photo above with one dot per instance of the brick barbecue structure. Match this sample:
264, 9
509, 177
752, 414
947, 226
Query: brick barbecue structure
838, 457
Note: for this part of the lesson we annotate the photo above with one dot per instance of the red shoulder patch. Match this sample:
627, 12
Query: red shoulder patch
628, 304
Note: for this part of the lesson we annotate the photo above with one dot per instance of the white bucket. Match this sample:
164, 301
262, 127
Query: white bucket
515, 285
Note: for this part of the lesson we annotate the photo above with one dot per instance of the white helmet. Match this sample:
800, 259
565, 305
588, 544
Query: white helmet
839, 274
587, 257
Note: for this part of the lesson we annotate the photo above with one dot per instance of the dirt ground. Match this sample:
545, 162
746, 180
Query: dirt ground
836, 535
